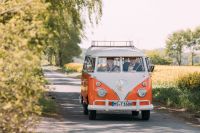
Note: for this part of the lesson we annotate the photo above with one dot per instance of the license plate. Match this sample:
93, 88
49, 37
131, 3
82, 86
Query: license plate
121, 103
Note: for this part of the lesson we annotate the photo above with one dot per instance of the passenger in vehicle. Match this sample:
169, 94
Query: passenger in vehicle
126, 65
110, 64
131, 64
134, 65
138, 65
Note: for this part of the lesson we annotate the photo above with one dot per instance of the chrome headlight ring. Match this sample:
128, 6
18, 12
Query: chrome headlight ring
101, 92
142, 92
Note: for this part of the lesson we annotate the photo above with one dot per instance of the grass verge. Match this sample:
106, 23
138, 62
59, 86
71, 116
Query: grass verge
178, 98
49, 106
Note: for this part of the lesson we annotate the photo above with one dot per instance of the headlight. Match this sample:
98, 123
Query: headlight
101, 92
142, 92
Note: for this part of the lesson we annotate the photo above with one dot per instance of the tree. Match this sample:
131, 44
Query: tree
194, 43
26, 30
178, 40
66, 25
175, 44
157, 59
21, 83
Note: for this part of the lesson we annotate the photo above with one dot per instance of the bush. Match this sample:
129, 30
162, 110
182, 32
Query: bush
178, 98
21, 87
192, 99
73, 67
21, 80
169, 96
190, 82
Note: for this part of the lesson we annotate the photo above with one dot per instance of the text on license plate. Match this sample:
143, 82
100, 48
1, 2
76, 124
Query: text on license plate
121, 103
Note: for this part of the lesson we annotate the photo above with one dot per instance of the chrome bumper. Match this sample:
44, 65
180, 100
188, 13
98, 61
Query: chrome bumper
108, 107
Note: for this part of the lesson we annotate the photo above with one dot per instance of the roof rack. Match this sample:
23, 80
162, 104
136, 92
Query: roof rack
112, 44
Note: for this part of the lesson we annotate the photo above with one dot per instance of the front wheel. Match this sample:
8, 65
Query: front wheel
92, 114
145, 114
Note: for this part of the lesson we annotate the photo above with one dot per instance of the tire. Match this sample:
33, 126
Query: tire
92, 114
135, 113
145, 114
85, 109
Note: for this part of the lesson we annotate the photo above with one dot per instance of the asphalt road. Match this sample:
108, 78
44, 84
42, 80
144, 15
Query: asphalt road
66, 92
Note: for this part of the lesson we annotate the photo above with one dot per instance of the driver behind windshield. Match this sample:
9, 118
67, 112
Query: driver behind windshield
111, 66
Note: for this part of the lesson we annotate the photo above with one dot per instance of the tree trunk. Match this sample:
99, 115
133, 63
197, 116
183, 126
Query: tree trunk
50, 59
178, 58
59, 58
192, 58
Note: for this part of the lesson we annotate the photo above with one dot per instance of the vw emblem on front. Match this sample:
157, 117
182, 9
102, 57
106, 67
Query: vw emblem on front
120, 84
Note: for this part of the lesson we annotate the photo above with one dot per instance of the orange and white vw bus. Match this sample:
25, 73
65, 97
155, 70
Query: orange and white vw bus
116, 76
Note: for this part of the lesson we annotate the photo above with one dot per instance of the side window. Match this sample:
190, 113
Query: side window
89, 64
148, 64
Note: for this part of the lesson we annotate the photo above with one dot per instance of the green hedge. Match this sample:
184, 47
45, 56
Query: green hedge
178, 98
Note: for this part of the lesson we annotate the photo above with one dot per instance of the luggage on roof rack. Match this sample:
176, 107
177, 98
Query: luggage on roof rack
112, 44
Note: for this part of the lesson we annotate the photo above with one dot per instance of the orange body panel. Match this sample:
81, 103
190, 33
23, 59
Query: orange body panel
134, 96
92, 93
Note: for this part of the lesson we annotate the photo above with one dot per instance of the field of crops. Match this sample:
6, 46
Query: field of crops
168, 75
73, 67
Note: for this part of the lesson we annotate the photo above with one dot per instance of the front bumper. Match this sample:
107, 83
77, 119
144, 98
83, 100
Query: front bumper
108, 107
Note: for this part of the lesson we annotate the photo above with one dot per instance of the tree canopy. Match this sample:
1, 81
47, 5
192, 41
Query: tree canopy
158, 58
179, 40
66, 25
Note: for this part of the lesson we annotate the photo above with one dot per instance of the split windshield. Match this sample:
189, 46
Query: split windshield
113, 64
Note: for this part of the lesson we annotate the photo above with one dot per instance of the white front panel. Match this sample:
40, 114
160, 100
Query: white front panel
121, 83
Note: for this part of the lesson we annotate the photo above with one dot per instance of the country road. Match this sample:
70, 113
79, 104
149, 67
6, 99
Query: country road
72, 120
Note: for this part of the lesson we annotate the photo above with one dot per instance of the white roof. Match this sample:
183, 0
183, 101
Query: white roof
114, 51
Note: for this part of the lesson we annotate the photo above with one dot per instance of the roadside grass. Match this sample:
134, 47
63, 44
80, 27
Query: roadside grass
49, 106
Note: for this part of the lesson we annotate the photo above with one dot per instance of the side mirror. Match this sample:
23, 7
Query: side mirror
151, 68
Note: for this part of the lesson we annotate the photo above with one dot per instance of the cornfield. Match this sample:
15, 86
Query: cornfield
168, 75
73, 67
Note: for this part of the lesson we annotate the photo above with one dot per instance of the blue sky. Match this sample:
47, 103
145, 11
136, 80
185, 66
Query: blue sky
146, 22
